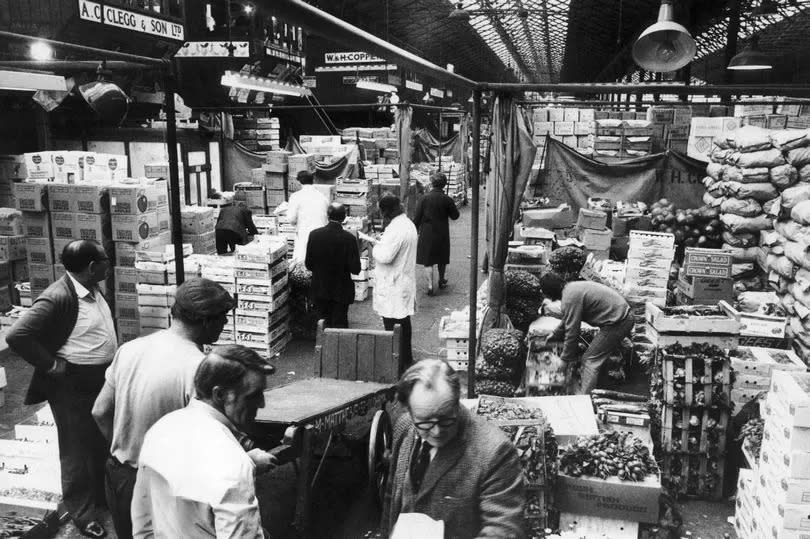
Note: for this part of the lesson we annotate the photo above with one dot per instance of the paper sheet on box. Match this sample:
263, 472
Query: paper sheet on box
417, 526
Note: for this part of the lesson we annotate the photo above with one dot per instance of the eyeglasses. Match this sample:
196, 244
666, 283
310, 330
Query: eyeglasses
443, 422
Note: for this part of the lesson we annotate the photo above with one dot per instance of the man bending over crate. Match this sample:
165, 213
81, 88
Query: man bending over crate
593, 303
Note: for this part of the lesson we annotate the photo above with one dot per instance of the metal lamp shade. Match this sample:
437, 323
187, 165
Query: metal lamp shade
107, 100
751, 59
664, 46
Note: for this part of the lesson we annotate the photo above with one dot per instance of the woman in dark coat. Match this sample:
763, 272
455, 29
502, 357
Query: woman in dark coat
431, 220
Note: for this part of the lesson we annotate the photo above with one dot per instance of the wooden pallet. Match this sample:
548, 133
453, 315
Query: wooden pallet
694, 476
714, 380
676, 430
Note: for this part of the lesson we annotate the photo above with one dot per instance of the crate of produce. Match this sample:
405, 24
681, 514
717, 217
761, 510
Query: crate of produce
691, 319
642, 239
694, 476
693, 375
726, 341
694, 430
791, 390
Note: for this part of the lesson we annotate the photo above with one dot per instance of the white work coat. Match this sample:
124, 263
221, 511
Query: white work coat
307, 210
395, 270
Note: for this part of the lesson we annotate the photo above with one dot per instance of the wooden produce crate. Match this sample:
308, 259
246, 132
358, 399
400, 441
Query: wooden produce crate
678, 435
757, 325
694, 476
727, 341
663, 322
545, 372
685, 377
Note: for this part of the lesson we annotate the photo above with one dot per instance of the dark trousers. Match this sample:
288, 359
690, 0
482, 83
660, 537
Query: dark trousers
119, 484
603, 344
82, 448
405, 354
227, 240
335, 314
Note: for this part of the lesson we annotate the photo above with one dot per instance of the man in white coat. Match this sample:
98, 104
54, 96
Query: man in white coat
307, 211
395, 273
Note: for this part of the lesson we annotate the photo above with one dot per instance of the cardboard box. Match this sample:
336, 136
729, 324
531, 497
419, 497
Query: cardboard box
609, 498
134, 228
39, 251
593, 219
63, 225
571, 114
41, 276
59, 246
596, 240
59, 196
197, 221
126, 306
19, 270
201, 243
556, 115
12, 247
162, 170
36, 224
582, 128
31, 196
700, 262
92, 226
66, 166
706, 288
543, 128
128, 330
105, 168
87, 198
126, 280
164, 219
564, 128
39, 165
133, 199
550, 218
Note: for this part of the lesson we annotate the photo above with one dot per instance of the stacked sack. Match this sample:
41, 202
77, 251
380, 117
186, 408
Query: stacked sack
745, 176
786, 250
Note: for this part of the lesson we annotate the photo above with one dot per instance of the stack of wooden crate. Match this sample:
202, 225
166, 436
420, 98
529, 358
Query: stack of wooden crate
691, 392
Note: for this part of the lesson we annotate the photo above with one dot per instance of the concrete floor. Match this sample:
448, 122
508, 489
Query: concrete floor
703, 520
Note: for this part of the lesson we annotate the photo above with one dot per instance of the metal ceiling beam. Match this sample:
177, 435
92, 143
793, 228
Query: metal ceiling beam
787, 90
535, 55
547, 44
328, 26
507, 41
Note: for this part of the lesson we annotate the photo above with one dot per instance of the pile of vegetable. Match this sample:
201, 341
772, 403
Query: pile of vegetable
690, 422
709, 365
523, 298
537, 451
691, 311
499, 367
605, 400
699, 227
611, 454
693, 475
568, 262
501, 410
300, 276
751, 437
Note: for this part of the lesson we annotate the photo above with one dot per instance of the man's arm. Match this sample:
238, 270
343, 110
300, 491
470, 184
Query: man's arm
237, 514
104, 409
387, 248
452, 210
309, 257
25, 336
292, 210
354, 256
420, 209
572, 320
251, 228
503, 496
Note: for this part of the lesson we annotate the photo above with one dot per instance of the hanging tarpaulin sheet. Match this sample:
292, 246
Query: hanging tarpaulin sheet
512, 157
426, 147
402, 127
571, 177
344, 166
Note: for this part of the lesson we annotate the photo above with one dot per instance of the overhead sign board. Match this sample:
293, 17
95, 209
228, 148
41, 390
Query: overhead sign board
310, 82
356, 57
129, 20
356, 68
413, 85
214, 49
435, 92
352, 79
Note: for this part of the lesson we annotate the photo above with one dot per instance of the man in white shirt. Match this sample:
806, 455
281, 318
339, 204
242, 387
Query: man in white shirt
69, 337
151, 377
194, 477
395, 273
307, 211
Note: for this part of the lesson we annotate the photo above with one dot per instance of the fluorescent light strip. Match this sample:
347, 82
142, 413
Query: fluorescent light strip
376, 86
22, 80
262, 84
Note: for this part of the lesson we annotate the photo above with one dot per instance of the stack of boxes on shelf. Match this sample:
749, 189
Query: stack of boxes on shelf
593, 232
532, 255
649, 258
774, 498
691, 384
198, 224
258, 134
381, 174
705, 277
253, 195
454, 334
327, 148
377, 145
262, 312
570, 126
622, 139
456, 181
670, 127
13, 265
272, 177
301, 162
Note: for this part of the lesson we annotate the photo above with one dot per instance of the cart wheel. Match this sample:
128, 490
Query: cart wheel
379, 452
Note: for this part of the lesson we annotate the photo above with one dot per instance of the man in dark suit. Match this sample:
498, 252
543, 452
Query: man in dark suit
332, 255
234, 224
449, 464
68, 335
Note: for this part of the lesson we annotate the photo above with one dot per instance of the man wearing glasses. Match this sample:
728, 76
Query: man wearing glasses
68, 336
150, 377
449, 464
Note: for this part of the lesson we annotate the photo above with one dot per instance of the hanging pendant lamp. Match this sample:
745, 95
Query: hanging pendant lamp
751, 58
666, 45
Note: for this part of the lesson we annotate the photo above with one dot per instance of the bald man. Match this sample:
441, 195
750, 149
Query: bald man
332, 256
68, 336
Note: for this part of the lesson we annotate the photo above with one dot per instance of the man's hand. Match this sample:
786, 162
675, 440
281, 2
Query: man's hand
58, 368
263, 460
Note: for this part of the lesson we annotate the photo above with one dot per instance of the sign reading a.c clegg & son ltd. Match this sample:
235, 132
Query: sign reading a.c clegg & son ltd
357, 57
129, 20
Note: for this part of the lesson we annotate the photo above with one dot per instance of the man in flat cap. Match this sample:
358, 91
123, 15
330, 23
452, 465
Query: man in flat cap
150, 377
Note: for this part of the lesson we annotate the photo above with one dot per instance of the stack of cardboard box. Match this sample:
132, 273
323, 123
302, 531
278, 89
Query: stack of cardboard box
13, 267
12, 170
670, 126
593, 232
257, 133
354, 194
262, 313
32, 199
197, 224
705, 278
272, 178
571, 126
649, 258
302, 162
